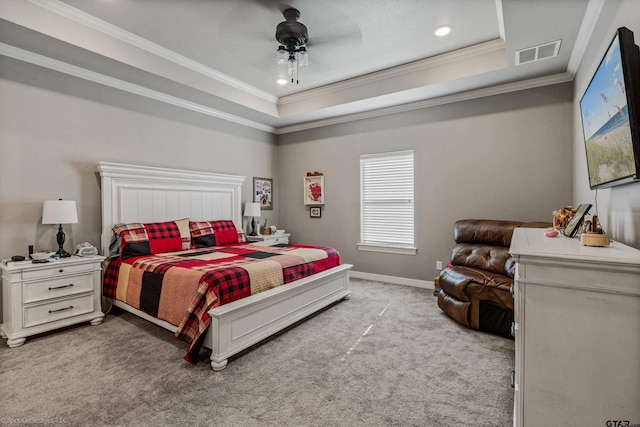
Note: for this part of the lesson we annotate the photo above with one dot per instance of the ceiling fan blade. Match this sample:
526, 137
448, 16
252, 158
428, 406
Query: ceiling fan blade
273, 5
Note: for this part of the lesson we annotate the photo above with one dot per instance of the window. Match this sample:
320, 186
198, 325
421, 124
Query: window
387, 202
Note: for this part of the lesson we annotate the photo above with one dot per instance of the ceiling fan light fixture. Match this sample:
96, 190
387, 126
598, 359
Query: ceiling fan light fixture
303, 58
281, 56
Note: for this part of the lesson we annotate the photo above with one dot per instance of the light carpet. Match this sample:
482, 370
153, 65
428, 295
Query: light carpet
386, 357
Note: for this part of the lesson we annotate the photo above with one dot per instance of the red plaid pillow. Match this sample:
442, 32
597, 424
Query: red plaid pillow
202, 234
137, 239
205, 234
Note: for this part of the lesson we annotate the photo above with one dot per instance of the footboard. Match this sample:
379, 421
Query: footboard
240, 324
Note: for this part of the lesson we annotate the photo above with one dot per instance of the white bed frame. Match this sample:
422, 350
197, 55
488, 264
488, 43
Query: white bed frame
150, 194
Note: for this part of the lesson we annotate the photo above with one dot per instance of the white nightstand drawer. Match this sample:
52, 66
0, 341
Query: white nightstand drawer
271, 238
54, 288
53, 270
50, 312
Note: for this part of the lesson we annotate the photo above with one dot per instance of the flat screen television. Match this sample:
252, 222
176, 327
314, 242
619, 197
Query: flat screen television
610, 109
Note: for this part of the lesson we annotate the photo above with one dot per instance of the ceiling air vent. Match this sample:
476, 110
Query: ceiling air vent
536, 53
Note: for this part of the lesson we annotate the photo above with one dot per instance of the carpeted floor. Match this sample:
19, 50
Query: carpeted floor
386, 357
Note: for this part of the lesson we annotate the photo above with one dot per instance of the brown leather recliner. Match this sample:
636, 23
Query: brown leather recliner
475, 288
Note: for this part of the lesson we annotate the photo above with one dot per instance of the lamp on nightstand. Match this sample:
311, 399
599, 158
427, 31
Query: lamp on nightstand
60, 212
252, 209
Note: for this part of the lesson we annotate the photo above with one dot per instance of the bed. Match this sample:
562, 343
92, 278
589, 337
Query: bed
142, 194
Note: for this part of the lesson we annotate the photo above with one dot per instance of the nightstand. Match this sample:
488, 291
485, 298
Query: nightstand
271, 238
42, 297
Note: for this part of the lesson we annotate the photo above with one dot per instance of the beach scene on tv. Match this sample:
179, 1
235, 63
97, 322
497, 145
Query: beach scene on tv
605, 122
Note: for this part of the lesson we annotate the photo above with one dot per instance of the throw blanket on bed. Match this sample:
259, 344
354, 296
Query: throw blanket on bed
181, 287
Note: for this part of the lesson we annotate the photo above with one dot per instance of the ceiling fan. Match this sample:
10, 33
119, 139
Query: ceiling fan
292, 36
256, 29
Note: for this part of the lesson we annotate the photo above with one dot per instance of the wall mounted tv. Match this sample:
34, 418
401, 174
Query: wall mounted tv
610, 109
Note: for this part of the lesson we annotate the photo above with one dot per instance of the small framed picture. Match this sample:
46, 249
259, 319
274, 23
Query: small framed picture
263, 192
315, 212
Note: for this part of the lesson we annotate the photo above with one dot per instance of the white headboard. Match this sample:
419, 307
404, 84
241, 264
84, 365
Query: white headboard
149, 194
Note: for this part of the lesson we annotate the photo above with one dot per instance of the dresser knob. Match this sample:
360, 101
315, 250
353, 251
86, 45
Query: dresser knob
61, 270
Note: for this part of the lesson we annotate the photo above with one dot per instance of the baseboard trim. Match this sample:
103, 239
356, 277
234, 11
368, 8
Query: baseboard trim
425, 284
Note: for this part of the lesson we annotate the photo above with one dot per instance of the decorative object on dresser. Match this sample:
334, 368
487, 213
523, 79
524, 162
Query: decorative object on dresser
267, 229
86, 249
60, 212
561, 217
576, 317
42, 297
476, 286
263, 192
593, 234
314, 189
248, 311
252, 209
576, 220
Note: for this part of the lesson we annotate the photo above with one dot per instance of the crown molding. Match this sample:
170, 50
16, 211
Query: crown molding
589, 22
63, 67
398, 71
448, 99
72, 70
63, 9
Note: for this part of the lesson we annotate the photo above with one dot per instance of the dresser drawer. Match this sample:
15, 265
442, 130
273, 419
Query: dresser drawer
53, 270
50, 312
53, 288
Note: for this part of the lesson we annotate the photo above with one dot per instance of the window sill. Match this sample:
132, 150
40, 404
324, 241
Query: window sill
390, 249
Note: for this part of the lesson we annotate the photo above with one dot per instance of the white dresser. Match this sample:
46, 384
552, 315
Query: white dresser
42, 297
577, 332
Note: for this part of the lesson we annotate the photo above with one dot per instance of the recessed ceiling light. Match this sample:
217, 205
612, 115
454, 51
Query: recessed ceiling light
442, 31
282, 81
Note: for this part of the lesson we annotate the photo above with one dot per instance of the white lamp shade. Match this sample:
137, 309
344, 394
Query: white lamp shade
252, 209
59, 212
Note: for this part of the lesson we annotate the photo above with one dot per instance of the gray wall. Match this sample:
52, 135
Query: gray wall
618, 207
503, 157
55, 128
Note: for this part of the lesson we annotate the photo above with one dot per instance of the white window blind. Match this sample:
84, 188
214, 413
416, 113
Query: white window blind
387, 202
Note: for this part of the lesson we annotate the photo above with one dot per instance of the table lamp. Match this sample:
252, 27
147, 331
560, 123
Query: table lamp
60, 212
252, 209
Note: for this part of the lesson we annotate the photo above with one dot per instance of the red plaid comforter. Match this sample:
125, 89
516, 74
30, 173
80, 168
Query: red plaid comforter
181, 287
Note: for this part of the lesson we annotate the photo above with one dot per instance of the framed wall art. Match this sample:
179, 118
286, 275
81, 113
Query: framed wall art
315, 212
314, 190
263, 192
